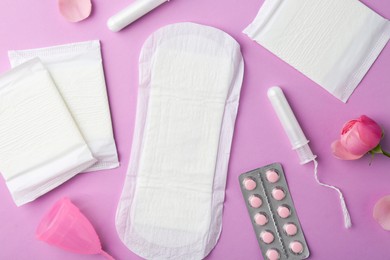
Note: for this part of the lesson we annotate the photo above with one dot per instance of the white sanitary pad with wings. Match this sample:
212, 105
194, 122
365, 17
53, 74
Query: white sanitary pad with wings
172, 200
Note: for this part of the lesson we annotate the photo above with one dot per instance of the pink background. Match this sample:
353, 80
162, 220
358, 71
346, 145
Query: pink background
258, 140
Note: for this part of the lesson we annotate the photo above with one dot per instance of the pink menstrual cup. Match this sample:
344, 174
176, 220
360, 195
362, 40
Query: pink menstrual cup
66, 227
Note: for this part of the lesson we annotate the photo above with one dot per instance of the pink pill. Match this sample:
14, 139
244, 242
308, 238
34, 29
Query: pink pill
290, 229
272, 254
255, 201
278, 194
267, 237
249, 184
284, 212
296, 247
272, 176
260, 219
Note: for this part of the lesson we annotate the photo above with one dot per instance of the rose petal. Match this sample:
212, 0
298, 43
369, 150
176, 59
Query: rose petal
347, 126
381, 212
352, 142
340, 152
75, 10
369, 131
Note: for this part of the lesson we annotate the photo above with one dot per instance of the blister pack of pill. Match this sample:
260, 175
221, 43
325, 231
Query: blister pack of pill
272, 213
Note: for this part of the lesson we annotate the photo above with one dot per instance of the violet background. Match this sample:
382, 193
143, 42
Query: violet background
258, 140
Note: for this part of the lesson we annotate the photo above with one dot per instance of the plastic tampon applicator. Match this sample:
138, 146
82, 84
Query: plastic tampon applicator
131, 13
299, 141
290, 124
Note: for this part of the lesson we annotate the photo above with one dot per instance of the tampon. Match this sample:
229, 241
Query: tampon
290, 124
131, 13
300, 143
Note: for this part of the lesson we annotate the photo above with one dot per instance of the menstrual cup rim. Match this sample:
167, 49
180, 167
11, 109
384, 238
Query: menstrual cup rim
43, 227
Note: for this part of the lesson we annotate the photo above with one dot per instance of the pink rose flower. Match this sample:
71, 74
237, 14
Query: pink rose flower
358, 137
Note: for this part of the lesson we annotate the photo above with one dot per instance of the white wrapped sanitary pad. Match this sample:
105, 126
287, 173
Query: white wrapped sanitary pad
77, 71
40, 144
172, 200
332, 42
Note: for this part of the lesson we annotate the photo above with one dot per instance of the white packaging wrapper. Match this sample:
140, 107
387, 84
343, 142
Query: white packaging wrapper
332, 42
40, 144
172, 200
77, 71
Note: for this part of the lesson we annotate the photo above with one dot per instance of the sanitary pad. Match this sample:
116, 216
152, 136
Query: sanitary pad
40, 144
78, 73
172, 200
332, 42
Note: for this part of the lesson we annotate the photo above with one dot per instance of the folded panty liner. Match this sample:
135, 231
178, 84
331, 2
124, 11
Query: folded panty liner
77, 71
172, 200
40, 144
332, 42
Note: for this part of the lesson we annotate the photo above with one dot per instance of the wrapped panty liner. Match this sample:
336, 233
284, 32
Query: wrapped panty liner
40, 144
77, 71
332, 42
172, 200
